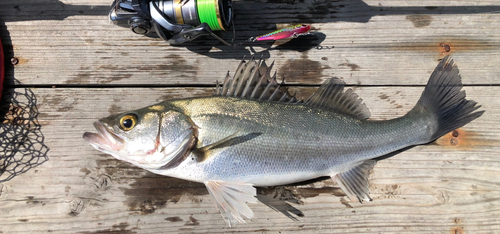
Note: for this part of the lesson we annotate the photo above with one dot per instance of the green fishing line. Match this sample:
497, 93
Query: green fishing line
207, 11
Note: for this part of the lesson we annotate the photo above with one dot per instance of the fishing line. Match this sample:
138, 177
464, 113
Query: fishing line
208, 11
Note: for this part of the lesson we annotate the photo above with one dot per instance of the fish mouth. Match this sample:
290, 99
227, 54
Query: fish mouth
104, 139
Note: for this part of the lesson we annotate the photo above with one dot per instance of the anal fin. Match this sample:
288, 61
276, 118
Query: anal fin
231, 198
354, 182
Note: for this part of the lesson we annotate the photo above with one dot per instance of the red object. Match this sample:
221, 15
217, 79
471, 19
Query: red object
293, 31
2, 69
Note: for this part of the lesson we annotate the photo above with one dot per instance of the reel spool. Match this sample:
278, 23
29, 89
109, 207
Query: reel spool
175, 21
216, 13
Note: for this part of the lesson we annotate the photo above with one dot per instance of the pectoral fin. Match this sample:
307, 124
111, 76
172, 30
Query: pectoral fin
231, 199
226, 140
202, 153
354, 182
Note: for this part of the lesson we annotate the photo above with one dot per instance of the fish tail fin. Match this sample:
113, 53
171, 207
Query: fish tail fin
444, 99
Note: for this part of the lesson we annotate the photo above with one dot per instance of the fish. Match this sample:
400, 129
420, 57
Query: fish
252, 132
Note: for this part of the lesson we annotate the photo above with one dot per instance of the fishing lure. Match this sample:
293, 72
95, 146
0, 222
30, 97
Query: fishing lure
292, 31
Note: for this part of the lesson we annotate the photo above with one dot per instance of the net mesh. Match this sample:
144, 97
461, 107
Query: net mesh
21, 139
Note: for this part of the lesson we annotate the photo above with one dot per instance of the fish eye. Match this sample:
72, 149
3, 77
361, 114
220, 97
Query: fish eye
127, 122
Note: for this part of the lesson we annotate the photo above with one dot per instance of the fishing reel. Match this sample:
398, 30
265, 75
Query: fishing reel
175, 21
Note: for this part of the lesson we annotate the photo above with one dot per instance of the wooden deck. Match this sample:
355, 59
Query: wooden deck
75, 67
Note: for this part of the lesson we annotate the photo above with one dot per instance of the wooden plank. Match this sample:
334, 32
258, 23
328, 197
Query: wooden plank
366, 42
437, 188
392, 45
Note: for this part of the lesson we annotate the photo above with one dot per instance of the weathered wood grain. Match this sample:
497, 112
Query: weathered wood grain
388, 48
374, 42
436, 188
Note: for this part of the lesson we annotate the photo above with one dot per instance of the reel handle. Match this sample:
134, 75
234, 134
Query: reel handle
190, 34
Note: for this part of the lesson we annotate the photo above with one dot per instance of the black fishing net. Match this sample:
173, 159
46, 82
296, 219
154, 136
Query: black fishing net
21, 139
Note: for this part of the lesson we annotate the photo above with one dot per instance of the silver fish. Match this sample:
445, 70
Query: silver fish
252, 132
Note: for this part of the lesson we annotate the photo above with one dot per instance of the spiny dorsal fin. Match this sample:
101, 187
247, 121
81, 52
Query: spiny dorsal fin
252, 80
331, 96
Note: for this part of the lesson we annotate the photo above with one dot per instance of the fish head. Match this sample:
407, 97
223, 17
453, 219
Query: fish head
147, 138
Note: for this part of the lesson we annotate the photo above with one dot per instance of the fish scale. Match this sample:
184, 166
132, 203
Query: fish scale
253, 132
296, 133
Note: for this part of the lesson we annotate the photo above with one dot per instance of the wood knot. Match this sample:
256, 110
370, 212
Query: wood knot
442, 197
102, 181
76, 206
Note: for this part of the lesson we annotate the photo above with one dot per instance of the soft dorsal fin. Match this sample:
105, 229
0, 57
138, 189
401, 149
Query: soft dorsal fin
252, 80
331, 96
